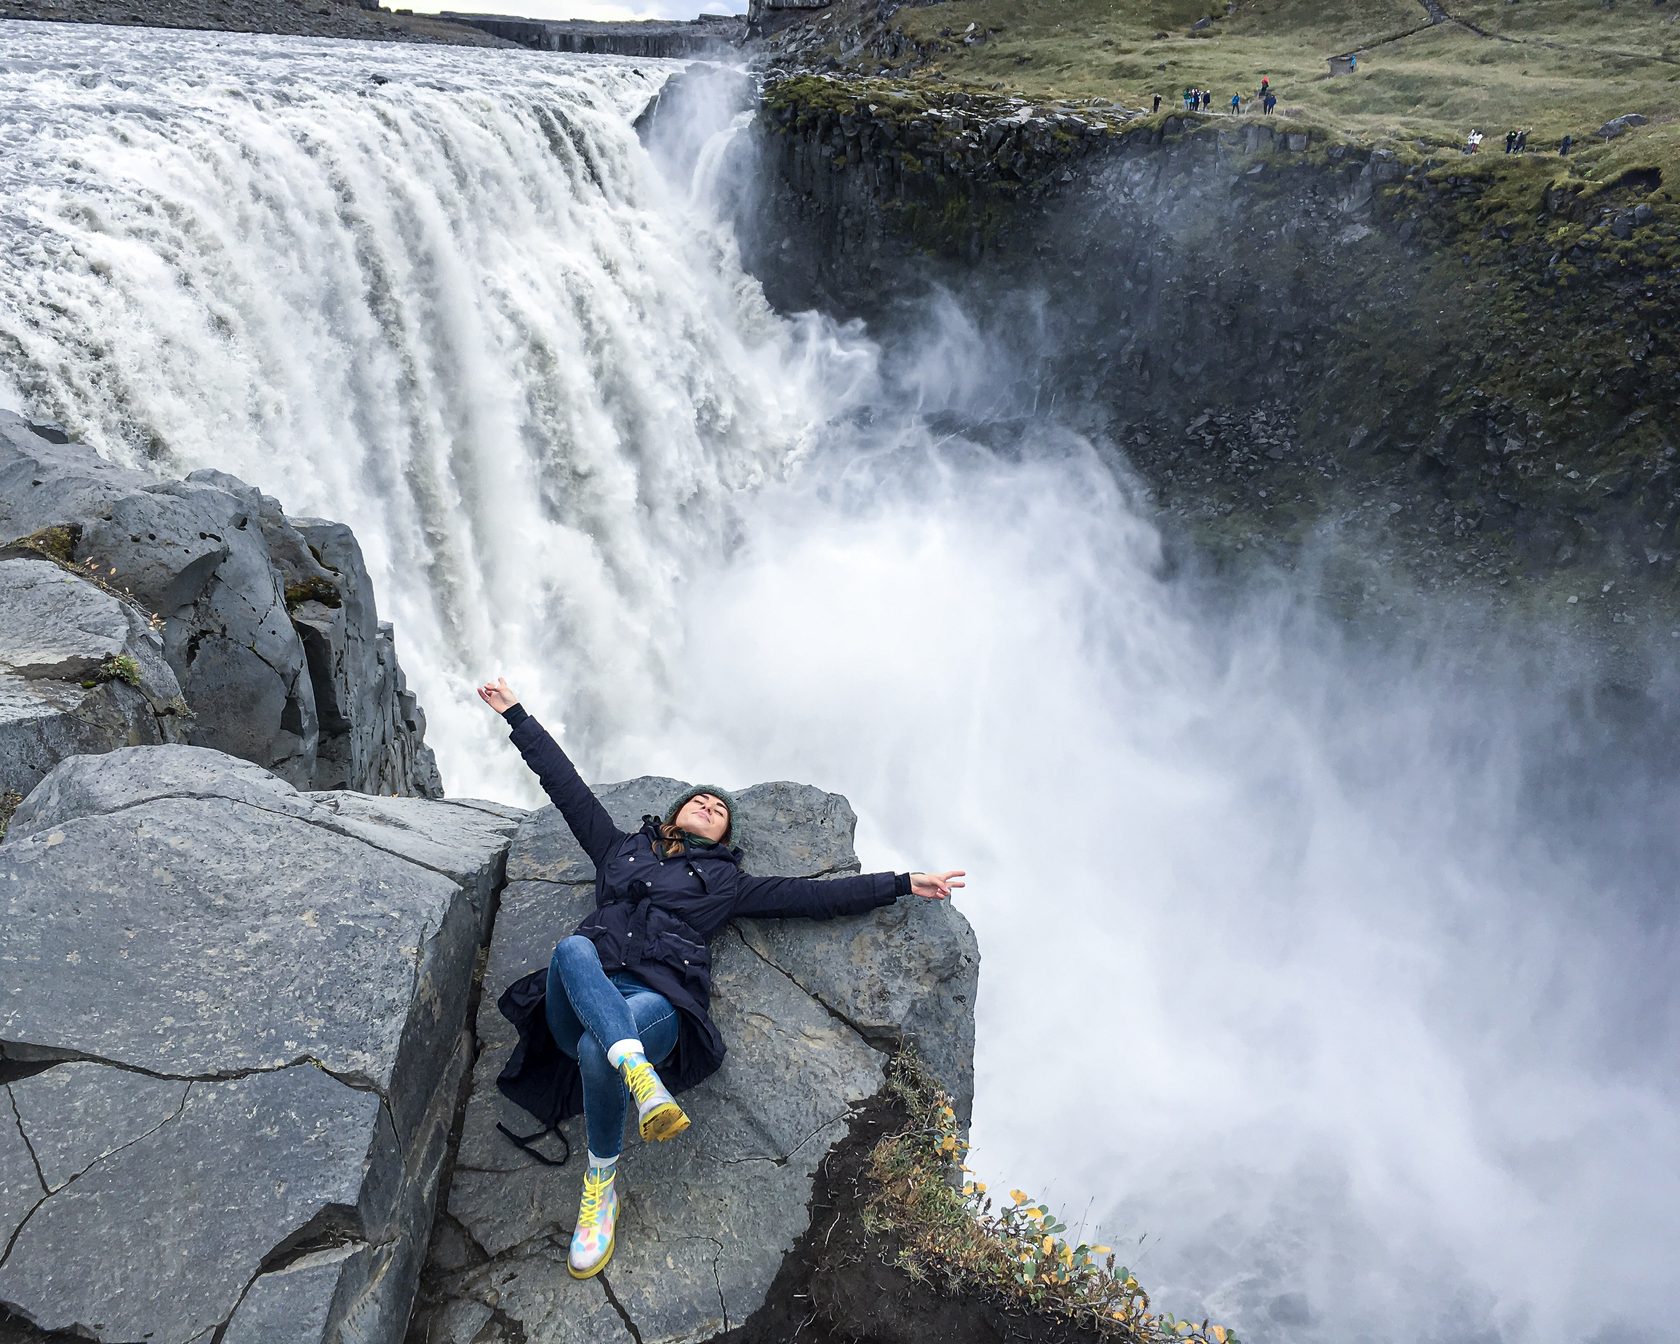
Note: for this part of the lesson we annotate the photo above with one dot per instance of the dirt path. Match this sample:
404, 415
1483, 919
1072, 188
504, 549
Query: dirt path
1435, 7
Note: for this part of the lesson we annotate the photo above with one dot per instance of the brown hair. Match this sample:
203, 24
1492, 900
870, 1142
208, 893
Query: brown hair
672, 838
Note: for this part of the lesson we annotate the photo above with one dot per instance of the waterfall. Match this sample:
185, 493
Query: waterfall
433, 294
1336, 965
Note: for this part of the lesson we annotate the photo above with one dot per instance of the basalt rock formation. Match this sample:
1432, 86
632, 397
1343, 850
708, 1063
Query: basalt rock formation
1277, 328
248, 1042
231, 1031
809, 1010
266, 643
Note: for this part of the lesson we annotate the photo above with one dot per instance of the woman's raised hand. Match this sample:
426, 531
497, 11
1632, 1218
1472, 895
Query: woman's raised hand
497, 695
935, 886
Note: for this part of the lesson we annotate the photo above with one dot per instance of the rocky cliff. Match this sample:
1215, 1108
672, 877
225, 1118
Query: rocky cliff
210, 617
248, 1044
231, 1030
810, 1011
248, 1034
1465, 361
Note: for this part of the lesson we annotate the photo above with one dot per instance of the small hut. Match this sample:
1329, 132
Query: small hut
1342, 65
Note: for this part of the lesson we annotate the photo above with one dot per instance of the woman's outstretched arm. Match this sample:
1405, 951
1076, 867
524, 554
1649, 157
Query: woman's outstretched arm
825, 898
580, 807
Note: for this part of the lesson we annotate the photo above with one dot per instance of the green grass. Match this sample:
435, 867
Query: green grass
124, 667
1556, 67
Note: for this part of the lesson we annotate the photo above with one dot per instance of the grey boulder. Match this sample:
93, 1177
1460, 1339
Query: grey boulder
232, 1015
1617, 125
81, 671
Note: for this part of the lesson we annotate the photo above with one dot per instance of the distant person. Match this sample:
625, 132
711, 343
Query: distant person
1189, 99
1269, 103
1265, 85
1353, 62
1236, 103
1522, 142
1510, 141
1471, 141
1565, 143
1157, 106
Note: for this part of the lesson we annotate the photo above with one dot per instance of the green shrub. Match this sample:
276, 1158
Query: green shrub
954, 1232
118, 667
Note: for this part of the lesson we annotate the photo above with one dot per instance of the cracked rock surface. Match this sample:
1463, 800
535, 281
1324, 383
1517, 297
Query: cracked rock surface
57, 631
269, 624
707, 1220
231, 1043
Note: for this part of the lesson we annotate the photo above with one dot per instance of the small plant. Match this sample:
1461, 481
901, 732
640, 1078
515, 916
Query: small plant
56, 543
118, 667
953, 1232
313, 589
10, 801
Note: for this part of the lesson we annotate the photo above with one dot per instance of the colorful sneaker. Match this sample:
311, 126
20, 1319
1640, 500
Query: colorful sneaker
657, 1115
592, 1242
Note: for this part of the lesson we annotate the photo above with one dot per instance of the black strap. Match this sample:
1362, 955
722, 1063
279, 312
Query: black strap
530, 1139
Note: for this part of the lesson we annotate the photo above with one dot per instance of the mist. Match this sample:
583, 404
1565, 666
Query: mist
1323, 965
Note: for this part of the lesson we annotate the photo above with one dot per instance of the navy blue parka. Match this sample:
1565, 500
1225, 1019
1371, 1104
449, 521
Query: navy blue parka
654, 916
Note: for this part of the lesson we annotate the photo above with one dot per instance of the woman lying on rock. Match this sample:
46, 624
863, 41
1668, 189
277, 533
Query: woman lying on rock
629, 989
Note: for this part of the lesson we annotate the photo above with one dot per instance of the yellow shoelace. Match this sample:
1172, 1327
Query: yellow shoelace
594, 1192
642, 1081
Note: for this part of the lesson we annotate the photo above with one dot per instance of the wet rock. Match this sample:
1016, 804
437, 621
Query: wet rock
50, 430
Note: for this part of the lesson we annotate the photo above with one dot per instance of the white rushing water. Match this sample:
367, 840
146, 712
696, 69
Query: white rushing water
1339, 969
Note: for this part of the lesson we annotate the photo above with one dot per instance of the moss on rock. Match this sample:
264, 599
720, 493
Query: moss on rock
313, 589
56, 543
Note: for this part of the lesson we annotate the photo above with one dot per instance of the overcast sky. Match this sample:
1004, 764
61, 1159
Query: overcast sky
579, 9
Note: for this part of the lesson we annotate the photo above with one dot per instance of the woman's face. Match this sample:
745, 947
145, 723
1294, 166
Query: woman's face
704, 815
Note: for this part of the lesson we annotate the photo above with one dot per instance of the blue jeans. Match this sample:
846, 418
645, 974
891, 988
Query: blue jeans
587, 1012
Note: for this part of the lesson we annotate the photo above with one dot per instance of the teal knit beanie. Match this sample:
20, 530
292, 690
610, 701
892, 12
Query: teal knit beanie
723, 795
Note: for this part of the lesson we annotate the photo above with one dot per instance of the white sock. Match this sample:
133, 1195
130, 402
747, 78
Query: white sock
619, 1049
609, 1163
